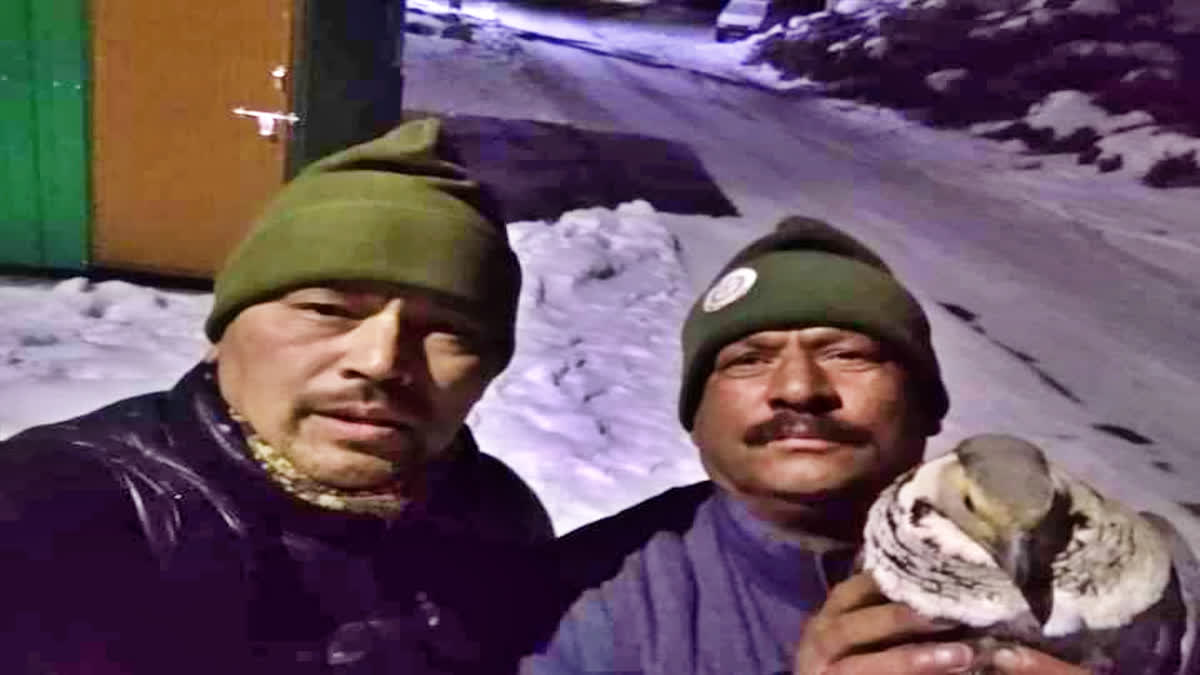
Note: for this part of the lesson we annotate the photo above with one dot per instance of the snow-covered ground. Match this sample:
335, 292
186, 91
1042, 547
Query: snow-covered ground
70, 346
586, 411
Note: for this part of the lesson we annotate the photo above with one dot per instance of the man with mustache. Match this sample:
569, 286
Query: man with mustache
308, 499
809, 384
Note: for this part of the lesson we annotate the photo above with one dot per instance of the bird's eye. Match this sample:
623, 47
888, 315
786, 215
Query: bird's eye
969, 503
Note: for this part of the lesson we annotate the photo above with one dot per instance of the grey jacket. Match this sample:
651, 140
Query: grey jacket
705, 588
721, 596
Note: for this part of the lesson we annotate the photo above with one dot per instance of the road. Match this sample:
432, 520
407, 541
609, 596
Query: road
1091, 286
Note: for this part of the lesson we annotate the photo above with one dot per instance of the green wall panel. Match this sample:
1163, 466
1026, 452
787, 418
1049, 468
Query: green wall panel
43, 133
60, 71
20, 235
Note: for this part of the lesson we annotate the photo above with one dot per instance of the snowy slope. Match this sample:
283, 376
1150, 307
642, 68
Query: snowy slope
586, 411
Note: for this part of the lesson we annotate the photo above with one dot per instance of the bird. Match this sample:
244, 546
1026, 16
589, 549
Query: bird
996, 539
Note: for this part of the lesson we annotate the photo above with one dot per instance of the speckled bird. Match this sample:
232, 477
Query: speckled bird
994, 537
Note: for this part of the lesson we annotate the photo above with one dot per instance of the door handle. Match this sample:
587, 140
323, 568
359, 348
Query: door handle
267, 121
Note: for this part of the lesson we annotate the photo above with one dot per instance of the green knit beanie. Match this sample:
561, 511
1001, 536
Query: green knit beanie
389, 210
807, 274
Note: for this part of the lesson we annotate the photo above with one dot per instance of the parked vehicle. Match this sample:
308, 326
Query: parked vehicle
740, 18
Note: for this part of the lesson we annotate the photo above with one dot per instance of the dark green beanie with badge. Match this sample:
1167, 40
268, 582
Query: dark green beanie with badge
389, 210
805, 274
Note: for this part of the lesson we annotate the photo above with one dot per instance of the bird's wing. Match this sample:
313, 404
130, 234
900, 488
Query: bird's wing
1114, 567
1187, 571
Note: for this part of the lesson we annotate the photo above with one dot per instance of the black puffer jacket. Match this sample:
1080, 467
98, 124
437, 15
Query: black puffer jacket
140, 538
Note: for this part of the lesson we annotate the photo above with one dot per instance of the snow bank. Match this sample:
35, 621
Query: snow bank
586, 410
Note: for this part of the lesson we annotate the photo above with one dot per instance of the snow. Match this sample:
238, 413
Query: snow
1185, 16
1148, 51
853, 6
79, 345
1066, 112
586, 411
1142, 148
945, 80
1096, 7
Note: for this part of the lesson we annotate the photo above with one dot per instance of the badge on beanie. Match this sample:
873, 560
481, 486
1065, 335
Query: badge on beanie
731, 288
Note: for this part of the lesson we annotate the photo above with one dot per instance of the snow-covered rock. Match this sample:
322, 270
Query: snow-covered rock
1184, 17
876, 47
842, 45
1067, 112
1156, 53
1153, 53
1146, 150
1083, 49
1139, 75
986, 6
853, 6
990, 128
964, 61
1096, 7
1043, 17
947, 81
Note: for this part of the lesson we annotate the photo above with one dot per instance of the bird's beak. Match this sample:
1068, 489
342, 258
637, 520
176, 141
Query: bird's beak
1018, 556
1014, 558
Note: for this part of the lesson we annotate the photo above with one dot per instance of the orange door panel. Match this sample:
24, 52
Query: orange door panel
177, 176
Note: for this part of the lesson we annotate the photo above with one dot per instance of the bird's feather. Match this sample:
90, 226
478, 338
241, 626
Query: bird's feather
1122, 585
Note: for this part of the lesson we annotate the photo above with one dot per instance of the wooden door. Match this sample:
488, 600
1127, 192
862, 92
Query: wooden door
177, 176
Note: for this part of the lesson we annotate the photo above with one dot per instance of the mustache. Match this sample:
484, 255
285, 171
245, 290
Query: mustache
406, 402
794, 424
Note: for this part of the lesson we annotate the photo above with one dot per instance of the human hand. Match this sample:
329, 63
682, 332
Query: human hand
1025, 661
851, 633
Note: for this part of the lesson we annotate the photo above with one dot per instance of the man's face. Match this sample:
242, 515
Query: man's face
357, 385
794, 419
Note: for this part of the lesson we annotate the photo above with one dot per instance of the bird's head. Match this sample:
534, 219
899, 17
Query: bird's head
1000, 493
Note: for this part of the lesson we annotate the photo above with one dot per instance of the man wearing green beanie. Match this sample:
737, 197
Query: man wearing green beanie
307, 499
809, 383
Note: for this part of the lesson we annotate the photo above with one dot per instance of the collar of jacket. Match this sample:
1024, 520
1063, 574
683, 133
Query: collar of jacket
205, 437
773, 561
